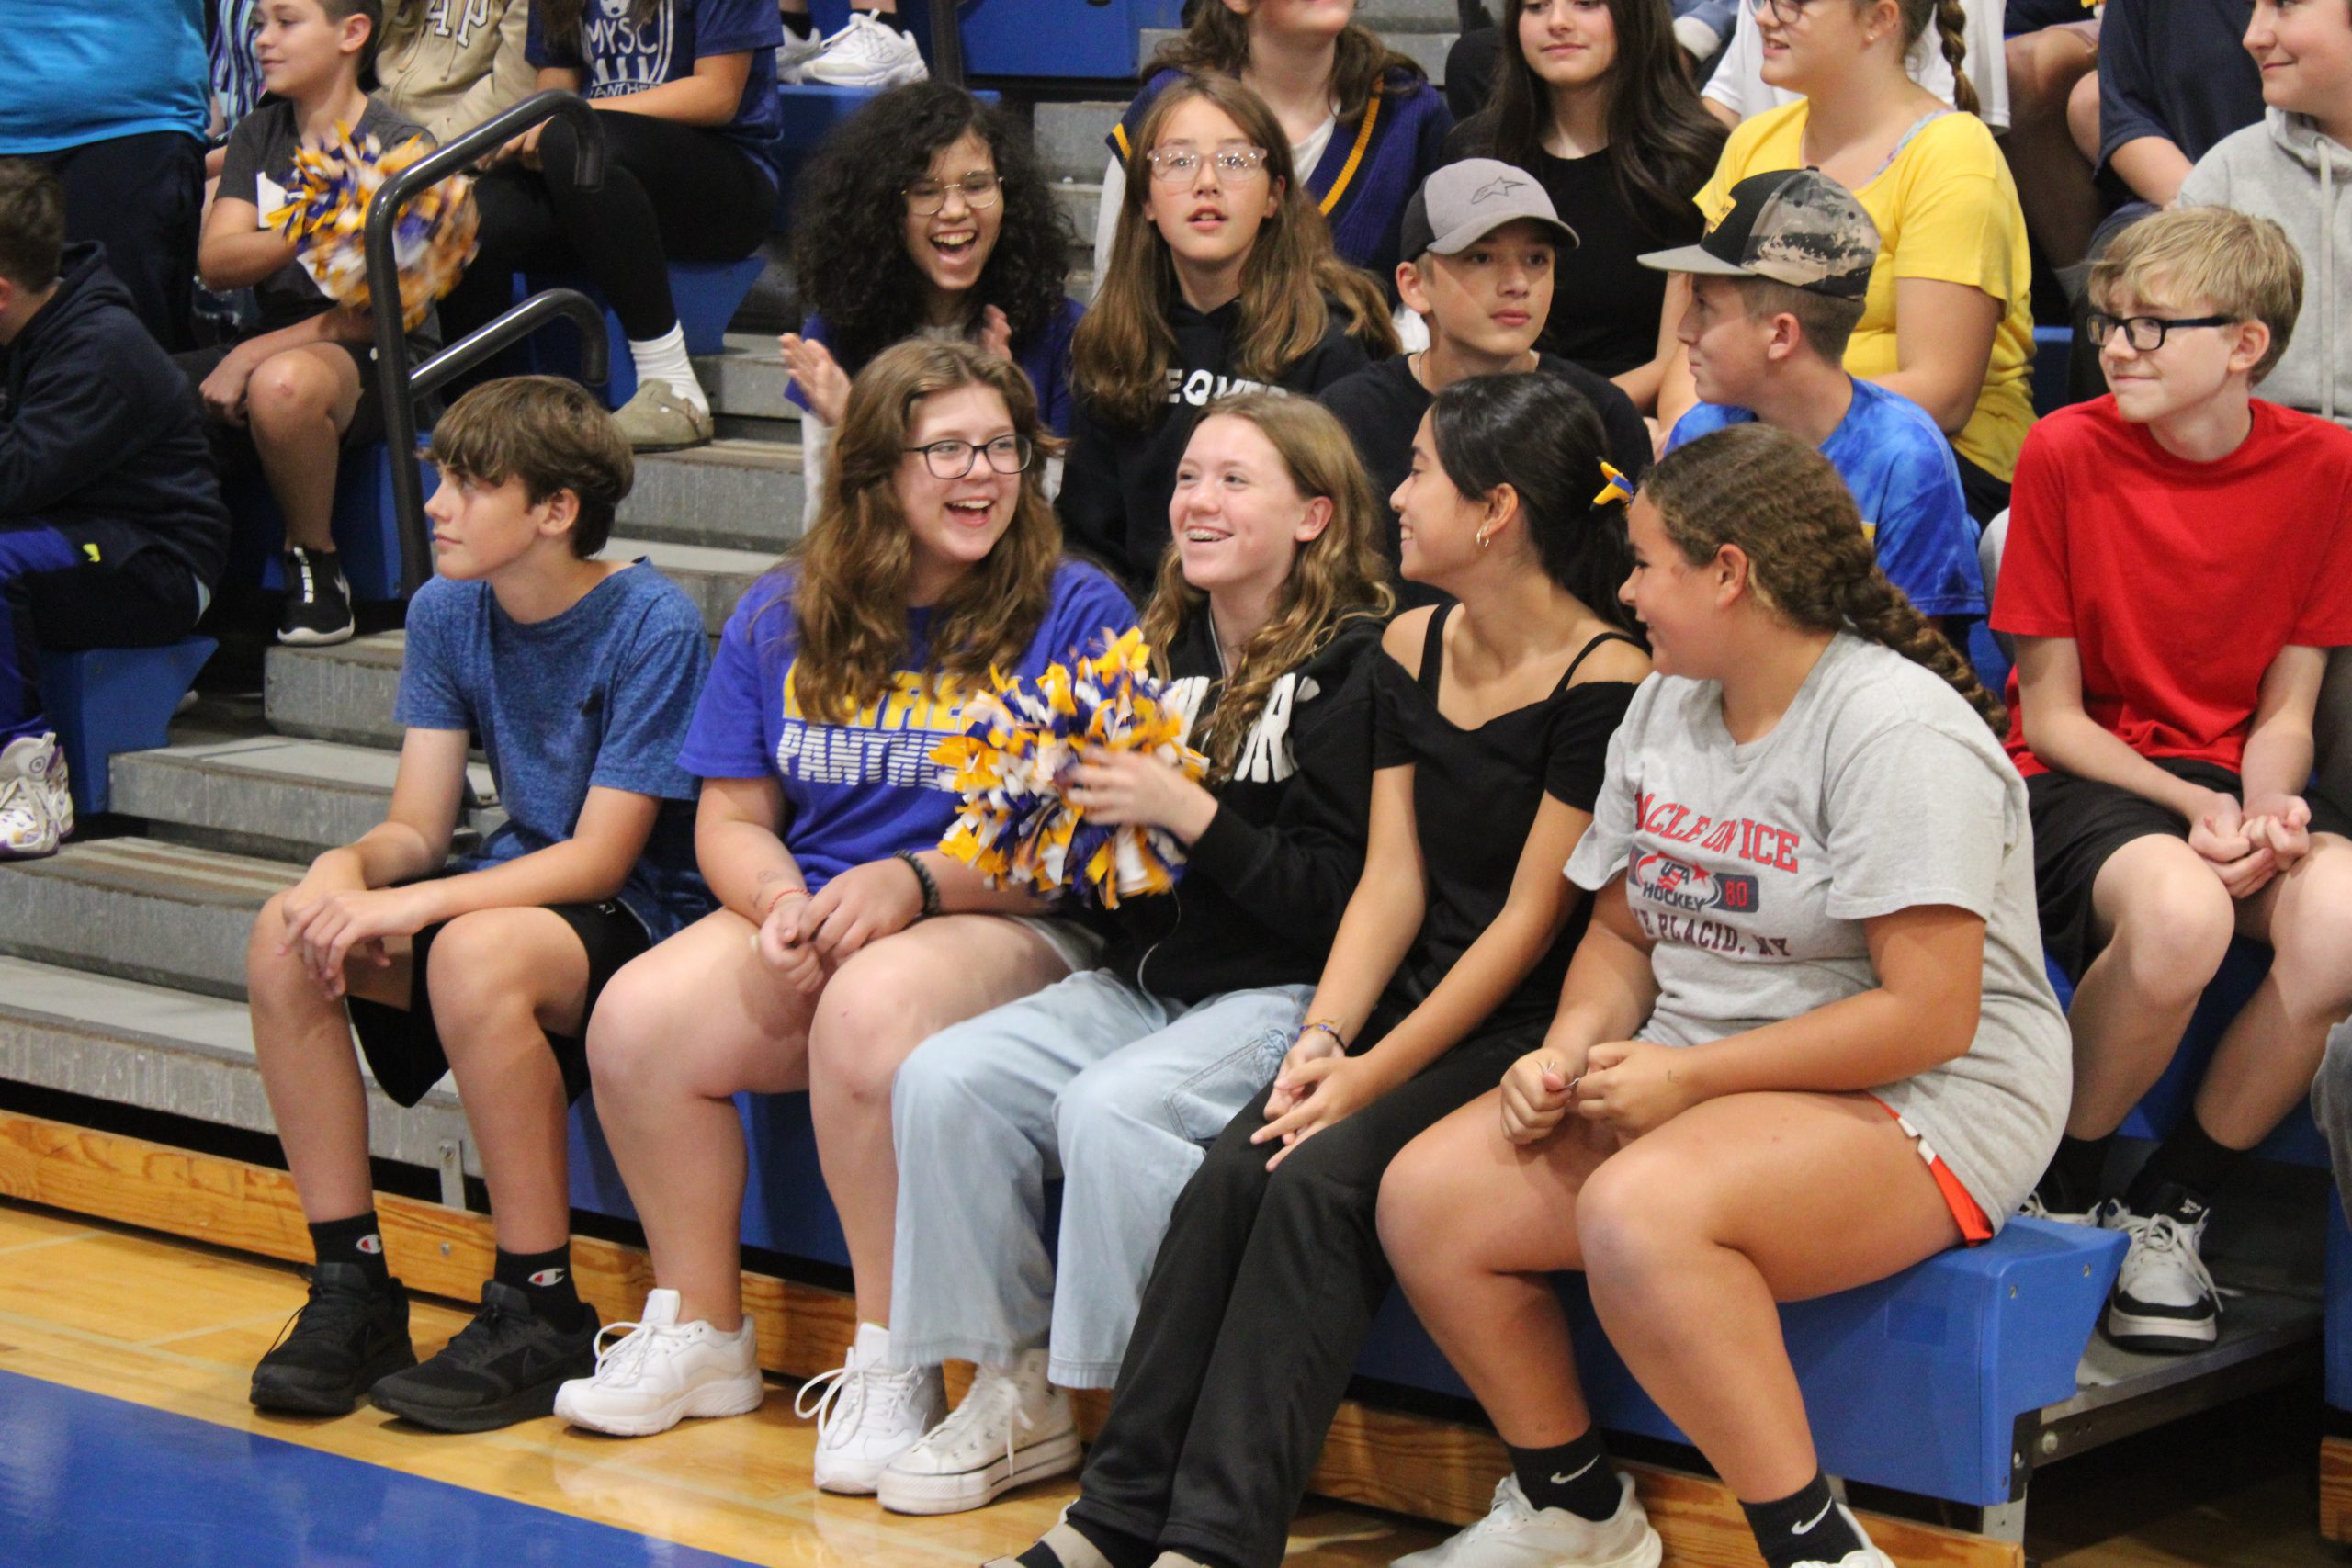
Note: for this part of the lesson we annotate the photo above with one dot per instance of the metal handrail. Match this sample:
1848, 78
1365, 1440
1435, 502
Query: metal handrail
399, 385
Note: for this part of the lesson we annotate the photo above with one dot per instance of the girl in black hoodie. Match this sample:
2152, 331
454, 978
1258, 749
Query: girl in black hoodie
1221, 279
1266, 621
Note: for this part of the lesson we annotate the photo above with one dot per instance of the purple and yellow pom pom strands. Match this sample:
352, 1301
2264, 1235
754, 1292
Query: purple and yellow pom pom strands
326, 216
1012, 766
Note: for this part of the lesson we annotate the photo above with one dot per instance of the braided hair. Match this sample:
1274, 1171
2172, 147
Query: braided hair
1809, 561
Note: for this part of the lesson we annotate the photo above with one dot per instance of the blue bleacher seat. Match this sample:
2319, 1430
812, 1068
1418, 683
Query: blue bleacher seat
367, 527
2052, 346
810, 111
105, 700
706, 294
1074, 40
2339, 1307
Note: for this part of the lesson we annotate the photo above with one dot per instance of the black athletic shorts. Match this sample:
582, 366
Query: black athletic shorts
403, 1044
2078, 823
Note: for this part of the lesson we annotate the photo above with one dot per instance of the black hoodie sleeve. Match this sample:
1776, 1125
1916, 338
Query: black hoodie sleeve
81, 406
1093, 507
1295, 875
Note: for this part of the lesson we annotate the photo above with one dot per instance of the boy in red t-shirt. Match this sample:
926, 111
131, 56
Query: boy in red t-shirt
2179, 559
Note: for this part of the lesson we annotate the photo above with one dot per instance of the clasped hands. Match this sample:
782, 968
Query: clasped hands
2246, 847
806, 936
1624, 1087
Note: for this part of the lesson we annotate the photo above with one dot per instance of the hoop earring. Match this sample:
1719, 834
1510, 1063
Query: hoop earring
1485, 538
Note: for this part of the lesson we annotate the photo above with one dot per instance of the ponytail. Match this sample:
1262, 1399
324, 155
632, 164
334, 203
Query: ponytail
1809, 561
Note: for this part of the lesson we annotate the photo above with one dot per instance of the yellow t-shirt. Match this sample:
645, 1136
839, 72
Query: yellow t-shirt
1946, 209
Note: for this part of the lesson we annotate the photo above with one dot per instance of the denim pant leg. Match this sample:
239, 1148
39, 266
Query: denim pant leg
971, 1112
1131, 1130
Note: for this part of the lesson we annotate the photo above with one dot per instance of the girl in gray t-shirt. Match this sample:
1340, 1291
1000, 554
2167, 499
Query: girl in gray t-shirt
1806, 1043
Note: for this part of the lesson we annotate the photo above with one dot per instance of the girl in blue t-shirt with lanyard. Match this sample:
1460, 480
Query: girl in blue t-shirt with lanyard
685, 94
845, 938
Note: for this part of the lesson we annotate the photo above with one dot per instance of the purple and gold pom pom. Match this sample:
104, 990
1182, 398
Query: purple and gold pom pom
326, 216
1012, 767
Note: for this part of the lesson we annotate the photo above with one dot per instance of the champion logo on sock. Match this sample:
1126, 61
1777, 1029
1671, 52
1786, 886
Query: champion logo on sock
370, 1244
547, 1276
1806, 1528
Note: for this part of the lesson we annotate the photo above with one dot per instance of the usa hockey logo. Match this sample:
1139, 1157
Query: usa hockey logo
1679, 884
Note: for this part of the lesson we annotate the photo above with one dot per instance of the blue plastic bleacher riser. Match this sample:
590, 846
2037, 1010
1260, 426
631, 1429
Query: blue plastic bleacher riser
106, 701
1978, 1337
366, 525
1068, 38
2339, 1306
786, 1209
706, 294
2053, 347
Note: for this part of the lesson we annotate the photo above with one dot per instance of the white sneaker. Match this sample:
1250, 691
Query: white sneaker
866, 53
36, 807
661, 1369
2105, 1214
795, 53
1013, 1427
2165, 1300
1516, 1534
868, 1412
1863, 1556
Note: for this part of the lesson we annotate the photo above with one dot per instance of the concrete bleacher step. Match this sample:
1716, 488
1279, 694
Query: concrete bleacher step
732, 493
1069, 137
284, 796
748, 381
177, 1052
170, 915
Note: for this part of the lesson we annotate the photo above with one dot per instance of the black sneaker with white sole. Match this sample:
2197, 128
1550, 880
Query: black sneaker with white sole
501, 1367
318, 600
2165, 1301
351, 1332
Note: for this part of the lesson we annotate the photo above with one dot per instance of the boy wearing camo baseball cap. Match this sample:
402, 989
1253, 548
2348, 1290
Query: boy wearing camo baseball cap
1776, 288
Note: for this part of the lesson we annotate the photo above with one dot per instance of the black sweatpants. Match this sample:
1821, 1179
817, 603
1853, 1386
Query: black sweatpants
142, 199
670, 192
1261, 1298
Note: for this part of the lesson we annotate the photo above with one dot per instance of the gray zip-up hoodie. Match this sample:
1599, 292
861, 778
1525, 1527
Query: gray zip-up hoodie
2284, 169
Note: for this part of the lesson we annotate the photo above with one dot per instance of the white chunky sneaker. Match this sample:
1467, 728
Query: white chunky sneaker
2165, 1300
1013, 1427
793, 55
2105, 1214
868, 1412
1863, 1556
866, 53
1516, 1534
661, 1370
36, 807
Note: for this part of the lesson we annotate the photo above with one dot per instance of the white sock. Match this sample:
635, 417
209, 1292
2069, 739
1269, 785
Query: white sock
664, 359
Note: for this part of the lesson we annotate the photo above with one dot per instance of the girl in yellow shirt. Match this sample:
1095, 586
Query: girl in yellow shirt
1947, 321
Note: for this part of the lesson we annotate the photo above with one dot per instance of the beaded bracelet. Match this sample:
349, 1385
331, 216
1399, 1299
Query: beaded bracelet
923, 875
1328, 1027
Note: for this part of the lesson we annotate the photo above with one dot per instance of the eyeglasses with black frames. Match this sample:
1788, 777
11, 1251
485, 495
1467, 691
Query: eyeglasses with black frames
2146, 333
954, 459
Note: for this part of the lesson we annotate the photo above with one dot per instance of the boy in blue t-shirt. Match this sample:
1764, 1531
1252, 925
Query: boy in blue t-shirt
579, 676
1775, 289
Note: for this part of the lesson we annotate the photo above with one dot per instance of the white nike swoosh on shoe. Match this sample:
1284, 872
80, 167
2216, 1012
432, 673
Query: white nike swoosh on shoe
1806, 1528
1564, 1479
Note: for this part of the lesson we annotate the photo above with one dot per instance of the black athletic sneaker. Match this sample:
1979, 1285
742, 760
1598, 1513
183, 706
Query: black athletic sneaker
501, 1367
351, 1332
318, 600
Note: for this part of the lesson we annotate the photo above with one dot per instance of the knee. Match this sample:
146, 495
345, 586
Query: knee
269, 970
1417, 1217
857, 1039
625, 1032
2173, 929
2310, 930
2082, 113
1630, 1219
286, 392
942, 1084
480, 979
1097, 1109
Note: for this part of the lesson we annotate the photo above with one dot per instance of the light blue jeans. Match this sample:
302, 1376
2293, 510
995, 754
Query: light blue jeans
1090, 1080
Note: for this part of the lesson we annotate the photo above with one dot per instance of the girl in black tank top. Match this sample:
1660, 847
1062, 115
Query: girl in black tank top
1445, 970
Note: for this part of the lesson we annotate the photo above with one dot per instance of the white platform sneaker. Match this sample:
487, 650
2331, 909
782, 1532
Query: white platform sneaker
661, 1370
868, 1412
36, 807
1516, 1534
1013, 1427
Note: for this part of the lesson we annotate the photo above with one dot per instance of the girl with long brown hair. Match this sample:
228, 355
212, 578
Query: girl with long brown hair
844, 937
1947, 321
1806, 1041
1362, 121
1266, 619
1492, 718
1221, 279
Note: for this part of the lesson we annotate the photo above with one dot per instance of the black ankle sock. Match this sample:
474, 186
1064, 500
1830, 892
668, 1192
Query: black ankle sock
355, 1240
1124, 1550
2071, 1185
1574, 1475
2188, 1158
1802, 1528
890, 19
802, 26
546, 1279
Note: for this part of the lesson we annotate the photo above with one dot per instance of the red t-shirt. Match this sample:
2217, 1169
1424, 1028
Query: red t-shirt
2179, 582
